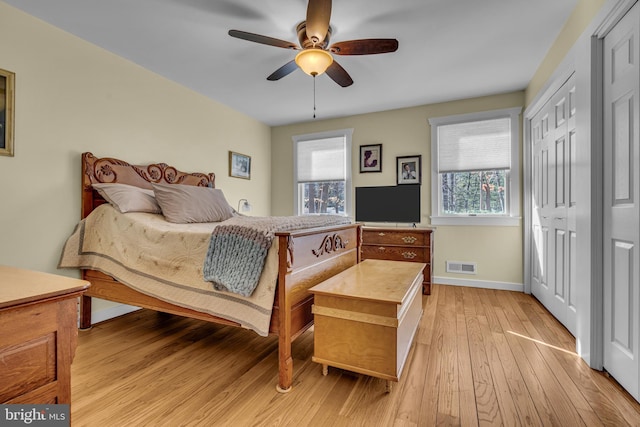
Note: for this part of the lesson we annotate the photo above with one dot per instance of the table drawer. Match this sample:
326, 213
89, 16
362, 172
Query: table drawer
396, 237
395, 253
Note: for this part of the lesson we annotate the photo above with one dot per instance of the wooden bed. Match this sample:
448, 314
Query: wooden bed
305, 258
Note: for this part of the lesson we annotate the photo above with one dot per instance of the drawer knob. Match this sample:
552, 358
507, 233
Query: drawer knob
409, 239
409, 255
381, 234
382, 249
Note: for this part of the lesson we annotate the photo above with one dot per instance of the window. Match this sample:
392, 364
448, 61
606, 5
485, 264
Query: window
322, 173
474, 168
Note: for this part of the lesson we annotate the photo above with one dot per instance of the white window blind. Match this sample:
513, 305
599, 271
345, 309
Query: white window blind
322, 160
470, 147
474, 146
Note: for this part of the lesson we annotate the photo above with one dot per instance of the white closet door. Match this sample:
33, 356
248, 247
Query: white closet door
621, 193
553, 203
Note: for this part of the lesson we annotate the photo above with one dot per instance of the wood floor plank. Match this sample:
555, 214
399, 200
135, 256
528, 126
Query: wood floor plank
504, 397
559, 401
468, 410
468, 366
535, 389
489, 302
548, 325
548, 350
430, 310
408, 412
503, 357
448, 394
486, 399
430, 393
143, 356
525, 407
622, 401
330, 413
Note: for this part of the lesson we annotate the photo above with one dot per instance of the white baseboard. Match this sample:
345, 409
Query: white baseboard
111, 312
505, 286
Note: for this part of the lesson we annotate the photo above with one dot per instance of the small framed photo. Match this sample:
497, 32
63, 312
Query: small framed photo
7, 87
409, 169
371, 158
239, 165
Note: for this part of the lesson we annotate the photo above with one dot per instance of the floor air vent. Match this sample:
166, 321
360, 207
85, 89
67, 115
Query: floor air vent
461, 267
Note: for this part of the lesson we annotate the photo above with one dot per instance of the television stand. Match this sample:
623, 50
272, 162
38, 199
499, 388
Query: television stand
400, 244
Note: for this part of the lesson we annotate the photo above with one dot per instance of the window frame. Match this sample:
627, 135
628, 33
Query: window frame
512, 218
347, 134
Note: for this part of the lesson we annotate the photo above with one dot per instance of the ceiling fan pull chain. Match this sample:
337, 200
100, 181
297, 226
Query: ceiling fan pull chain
314, 97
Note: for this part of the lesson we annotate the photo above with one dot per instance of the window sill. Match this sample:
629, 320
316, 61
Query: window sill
505, 221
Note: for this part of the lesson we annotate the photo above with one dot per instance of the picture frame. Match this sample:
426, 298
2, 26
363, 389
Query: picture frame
409, 169
239, 165
371, 158
7, 104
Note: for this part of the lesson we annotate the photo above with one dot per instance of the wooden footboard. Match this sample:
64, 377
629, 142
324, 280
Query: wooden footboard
306, 258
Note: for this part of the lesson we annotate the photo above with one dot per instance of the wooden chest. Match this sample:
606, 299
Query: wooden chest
400, 244
366, 317
38, 335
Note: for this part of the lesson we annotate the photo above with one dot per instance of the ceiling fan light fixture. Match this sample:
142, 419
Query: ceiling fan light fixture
314, 61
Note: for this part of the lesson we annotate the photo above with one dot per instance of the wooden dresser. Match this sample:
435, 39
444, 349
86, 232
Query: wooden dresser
401, 244
38, 335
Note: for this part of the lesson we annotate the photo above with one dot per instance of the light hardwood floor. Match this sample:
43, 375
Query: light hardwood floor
481, 357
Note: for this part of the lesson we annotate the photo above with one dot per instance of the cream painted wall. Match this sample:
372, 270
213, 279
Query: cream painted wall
579, 20
71, 97
497, 250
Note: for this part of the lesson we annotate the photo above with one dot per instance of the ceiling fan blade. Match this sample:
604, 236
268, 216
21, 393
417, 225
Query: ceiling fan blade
364, 47
257, 38
286, 69
339, 75
318, 17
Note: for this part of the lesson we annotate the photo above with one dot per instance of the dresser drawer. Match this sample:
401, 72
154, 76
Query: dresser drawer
27, 366
395, 253
395, 237
400, 244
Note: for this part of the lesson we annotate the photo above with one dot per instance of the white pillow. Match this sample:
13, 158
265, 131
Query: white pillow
128, 198
189, 203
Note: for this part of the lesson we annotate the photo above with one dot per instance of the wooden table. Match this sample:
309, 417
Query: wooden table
38, 335
365, 318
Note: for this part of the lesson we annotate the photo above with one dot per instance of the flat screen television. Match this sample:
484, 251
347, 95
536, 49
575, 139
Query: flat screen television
400, 203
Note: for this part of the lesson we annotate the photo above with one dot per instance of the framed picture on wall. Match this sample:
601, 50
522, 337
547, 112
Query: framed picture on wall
409, 169
7, 87
239, 165
371, 158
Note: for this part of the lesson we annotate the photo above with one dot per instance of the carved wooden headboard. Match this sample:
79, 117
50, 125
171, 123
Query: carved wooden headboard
108, 169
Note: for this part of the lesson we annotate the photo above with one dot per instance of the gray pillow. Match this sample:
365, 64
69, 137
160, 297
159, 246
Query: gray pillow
188, 203
128, 198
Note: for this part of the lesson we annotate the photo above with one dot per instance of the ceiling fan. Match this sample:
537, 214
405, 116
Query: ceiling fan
315, 56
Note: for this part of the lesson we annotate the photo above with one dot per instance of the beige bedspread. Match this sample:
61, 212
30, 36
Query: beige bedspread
165, 260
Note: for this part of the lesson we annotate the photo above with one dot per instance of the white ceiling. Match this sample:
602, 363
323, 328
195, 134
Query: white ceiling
449, 49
